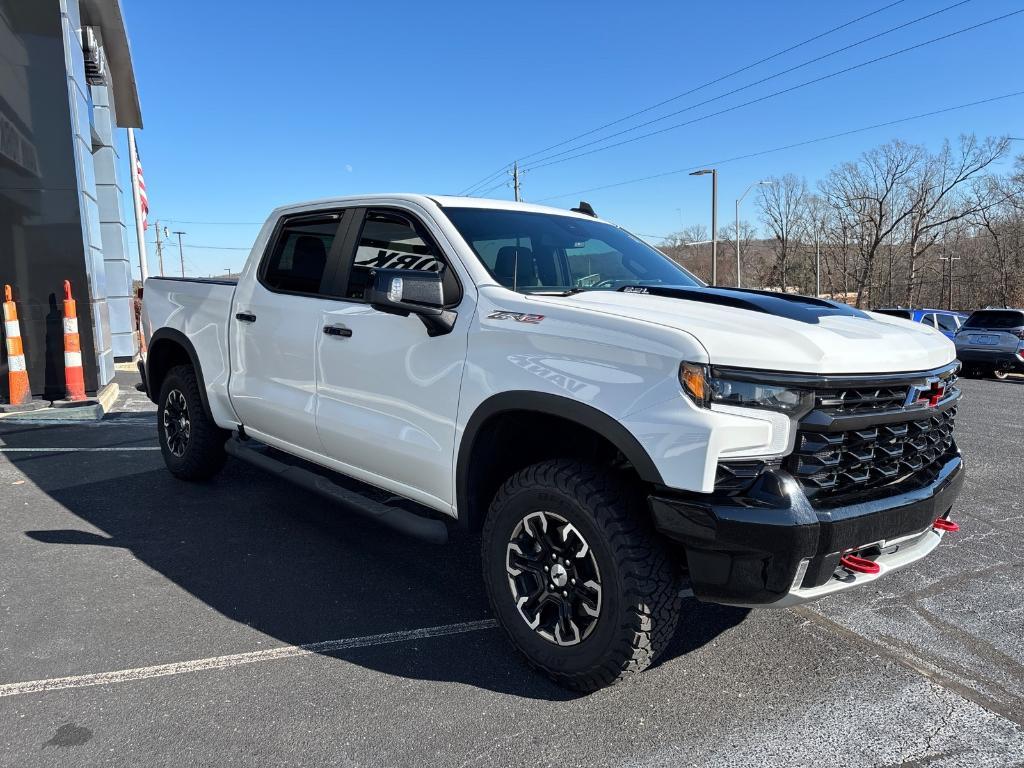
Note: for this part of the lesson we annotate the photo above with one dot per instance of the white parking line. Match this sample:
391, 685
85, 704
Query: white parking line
237, 659
81, 450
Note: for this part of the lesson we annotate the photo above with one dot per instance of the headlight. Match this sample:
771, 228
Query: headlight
704, 389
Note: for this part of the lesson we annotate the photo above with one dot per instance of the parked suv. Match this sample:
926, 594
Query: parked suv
946, 321
992, 342
616, 430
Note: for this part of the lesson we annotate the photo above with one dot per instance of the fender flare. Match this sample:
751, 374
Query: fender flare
553, 405
167, 335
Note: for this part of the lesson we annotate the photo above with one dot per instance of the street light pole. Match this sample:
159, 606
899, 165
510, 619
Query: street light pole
714, 219
739, 200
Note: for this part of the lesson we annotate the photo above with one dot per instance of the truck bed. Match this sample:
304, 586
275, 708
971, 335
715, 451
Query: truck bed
198, 309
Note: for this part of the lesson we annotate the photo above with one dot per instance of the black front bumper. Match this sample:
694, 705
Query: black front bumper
747, 549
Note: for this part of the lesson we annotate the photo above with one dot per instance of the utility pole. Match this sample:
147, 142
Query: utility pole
159, 249
950, 258
817, 262
714, 219
181, 251
515, 180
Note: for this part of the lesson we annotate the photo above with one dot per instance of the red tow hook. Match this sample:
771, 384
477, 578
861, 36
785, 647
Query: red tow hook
859, 564
945, 525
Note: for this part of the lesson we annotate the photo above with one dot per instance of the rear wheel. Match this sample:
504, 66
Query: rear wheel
191, 443
576, 576
1000, 373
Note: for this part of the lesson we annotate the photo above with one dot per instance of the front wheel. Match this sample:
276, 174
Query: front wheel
191, 443
576, 576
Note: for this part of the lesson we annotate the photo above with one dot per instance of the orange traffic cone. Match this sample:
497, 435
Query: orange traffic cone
74, 379
17, 375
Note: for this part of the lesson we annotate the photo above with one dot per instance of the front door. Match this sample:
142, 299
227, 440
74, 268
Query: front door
388, 393
275, 327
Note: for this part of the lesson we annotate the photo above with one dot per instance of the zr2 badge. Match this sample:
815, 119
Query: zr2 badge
519, 317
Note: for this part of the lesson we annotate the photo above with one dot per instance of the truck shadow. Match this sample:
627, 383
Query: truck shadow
288, 564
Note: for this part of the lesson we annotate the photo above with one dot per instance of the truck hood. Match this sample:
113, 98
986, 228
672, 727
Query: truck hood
778, 332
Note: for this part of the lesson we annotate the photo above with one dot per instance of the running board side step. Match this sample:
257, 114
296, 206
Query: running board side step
401, 520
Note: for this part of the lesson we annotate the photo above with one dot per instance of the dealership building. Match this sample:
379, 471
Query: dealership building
66, 88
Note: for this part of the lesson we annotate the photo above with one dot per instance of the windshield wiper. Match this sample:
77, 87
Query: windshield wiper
570, 292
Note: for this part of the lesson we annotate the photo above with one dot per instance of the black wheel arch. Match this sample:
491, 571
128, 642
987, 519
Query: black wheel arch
169, 347
471, 508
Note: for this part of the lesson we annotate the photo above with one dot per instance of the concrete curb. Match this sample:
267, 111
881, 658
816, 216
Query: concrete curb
87, 410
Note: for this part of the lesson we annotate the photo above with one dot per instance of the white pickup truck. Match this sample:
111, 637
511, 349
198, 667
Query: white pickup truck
617, 430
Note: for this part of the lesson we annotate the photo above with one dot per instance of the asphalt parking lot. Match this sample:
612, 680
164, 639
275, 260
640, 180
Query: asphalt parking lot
145, 621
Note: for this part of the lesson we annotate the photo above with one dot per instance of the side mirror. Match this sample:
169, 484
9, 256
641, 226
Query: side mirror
412, 292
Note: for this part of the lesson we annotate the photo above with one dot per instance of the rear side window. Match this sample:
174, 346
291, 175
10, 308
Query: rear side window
928, 319
298, 260
995, 318
395, 240
947, 323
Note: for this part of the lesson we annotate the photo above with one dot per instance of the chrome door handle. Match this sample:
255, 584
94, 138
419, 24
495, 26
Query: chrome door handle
338, 330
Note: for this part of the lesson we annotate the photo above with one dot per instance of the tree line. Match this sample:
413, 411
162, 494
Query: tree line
900, 225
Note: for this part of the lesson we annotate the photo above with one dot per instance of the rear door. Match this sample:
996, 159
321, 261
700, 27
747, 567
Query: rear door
388, 392
276, 324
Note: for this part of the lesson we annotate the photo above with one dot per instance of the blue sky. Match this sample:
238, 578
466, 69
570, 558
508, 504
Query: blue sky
251, 105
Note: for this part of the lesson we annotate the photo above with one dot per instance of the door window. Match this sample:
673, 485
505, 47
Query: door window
929, 319
297, 261
396, 240
947, 323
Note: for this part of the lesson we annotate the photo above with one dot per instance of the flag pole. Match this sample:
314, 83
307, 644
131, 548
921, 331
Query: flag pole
133, 157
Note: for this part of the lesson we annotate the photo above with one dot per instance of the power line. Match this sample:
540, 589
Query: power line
487, 179
220, 223
795, 145
806, 83
172, 244
763, 80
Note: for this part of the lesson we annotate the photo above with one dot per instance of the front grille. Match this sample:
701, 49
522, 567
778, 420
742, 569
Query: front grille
830, 464
860, 400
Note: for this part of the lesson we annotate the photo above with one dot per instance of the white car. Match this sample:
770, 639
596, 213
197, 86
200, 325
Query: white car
617, 430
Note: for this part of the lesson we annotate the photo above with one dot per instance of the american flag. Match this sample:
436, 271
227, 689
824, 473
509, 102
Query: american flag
143, 200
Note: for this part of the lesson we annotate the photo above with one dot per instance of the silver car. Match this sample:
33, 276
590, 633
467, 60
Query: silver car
992, 342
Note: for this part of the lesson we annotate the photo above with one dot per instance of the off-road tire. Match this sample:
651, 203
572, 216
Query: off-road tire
203, 455
640, 583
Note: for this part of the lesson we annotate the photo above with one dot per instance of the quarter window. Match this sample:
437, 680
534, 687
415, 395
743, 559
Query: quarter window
947, 323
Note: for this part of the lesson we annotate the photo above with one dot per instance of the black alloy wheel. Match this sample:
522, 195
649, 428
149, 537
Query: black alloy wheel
554, 578
177, 426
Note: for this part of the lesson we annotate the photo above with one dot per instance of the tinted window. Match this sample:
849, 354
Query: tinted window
393, 240
947, 323
906, 314
299, 258
995, 318
532, 252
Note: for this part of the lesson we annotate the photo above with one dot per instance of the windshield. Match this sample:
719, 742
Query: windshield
995, 319
541, 252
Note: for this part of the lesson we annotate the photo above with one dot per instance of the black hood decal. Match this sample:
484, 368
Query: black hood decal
805, 309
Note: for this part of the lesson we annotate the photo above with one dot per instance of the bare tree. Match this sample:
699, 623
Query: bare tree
783, 205
874, 190
934, 201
